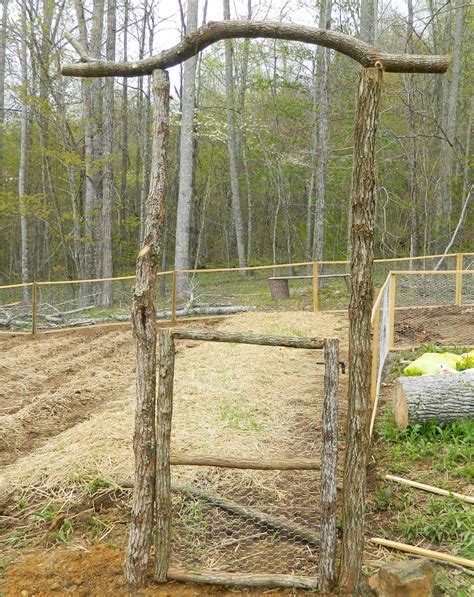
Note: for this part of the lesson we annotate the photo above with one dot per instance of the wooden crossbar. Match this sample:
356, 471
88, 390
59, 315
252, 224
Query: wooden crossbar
310, 277
244, 338
261, 464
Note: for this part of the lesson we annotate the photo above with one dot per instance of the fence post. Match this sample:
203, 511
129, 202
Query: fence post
34, 304
315, 288
459, 267
327, 550
173, 299
164, 410
391, 307
375, 355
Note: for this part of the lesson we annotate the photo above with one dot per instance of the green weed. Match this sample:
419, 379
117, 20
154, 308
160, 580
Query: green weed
238, 419
444, 521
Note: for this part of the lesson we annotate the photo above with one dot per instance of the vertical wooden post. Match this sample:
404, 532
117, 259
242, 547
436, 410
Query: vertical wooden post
144, 329
360, 345
327, 550
164, 410
315, 288
173, 298
391, 310
375, 354
459, 267
34, 307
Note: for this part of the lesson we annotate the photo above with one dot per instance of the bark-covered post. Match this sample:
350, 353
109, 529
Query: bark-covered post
327, 551
144, 328
360, 357
164, 411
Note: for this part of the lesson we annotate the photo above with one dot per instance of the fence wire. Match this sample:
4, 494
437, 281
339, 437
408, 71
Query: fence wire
434, 308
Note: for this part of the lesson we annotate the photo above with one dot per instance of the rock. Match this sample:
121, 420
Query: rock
406, 578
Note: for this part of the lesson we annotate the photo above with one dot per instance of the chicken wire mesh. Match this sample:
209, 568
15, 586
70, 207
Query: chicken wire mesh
381, 348
93, 302
252, 521
232, 291
16, 308
434, 307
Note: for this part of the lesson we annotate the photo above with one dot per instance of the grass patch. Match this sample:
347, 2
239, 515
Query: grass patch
239, 419
451, 445
444, 521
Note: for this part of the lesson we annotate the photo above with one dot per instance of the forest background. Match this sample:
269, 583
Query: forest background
261, 137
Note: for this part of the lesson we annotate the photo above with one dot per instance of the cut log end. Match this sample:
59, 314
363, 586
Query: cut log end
434, 397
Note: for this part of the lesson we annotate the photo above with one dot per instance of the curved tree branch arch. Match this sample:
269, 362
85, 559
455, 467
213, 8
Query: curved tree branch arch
215, 31
374, 62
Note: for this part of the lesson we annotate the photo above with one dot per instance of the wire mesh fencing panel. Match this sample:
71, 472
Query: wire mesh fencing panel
434, 308
82, 303
227, 291
247, 521
16, 307
333, 285
382, 325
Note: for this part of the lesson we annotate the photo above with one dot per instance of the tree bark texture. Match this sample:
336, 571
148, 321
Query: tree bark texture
365, 54
237, 217
247, 338
3, 44
322, 75
186, 161
327, 550
22, 170
164, 411
360, 354
434, 397
242, 580
144, 327
108, 175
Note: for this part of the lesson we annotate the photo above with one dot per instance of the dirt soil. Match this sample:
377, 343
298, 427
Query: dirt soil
66, 419
440, 325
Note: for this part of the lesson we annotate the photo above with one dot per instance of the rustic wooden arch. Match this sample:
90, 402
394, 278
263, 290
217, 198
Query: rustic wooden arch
373, 63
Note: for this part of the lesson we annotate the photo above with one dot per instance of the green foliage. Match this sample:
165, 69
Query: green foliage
451, 445
97, 485
445, 521
236, 418
466, 363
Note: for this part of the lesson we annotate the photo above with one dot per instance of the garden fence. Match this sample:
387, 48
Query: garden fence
46, 305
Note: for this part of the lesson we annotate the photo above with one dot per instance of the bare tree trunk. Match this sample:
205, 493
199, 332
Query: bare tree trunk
186, 161
367, 33
90, 90
108, 180
144, 326
323, 135
232, 145
360, 360
410, 83
445, 203
3, 46
125, 158
23, 154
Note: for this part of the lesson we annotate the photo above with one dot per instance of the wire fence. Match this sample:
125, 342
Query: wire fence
309, 286
421, 307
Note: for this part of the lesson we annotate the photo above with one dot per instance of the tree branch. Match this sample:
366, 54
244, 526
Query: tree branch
213, 32
83, 55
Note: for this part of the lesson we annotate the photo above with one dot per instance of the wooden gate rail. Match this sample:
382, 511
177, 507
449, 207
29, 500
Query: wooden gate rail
327, 537
258, 339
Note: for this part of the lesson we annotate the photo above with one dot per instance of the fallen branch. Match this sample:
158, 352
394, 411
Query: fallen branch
279, 523
241, 580
428, 553
437, 490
